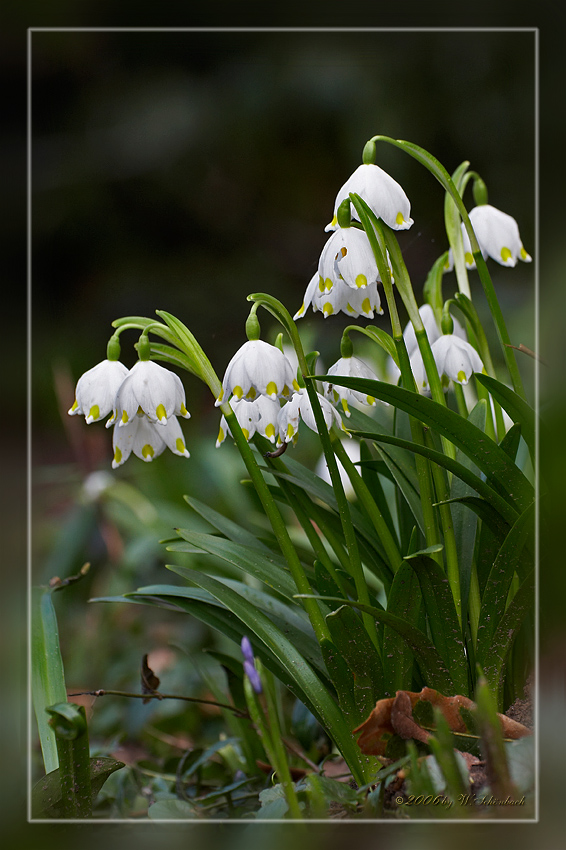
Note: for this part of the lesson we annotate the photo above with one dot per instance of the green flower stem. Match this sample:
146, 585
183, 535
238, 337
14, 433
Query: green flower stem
438, 171
366, 499
356, 570
460, 400
277, 522
454, 230
71, 734
474, 604
377, 243
271, 736
301, 507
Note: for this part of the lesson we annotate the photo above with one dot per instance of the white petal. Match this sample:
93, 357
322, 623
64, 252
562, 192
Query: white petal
97, 388
382, 194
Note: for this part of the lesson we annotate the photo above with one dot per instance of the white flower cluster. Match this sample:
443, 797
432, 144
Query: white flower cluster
347, 275
144, 401
258, 378
455, 358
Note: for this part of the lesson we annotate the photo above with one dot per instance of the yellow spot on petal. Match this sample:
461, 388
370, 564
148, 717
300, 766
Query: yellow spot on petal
160, 412
523, 254
117, 455
271, 388
349, 308
328, 309
180, 446
290, 430
296, 386
124, 417
468, 258
285, 391
399, 218
343, 251
462, 377
366, 306
270, 431
74, 407
251, 393
506, 254
94, 412
220, 436
183, 411
148, 451
221, 396
246, 433
328, 284
345, 408
321, 283
370, 399
361, 281
334, 221
302, 310
238, 392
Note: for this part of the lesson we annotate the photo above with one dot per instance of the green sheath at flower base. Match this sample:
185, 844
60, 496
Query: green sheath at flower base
113, 348
253, 330
479, 190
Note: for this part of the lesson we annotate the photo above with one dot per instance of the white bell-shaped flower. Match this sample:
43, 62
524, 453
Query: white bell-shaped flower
259, 415
257, 368
146, 439
382, 194
154, 390
347, 256
456, 358
498, 235
349, 367
340, 298
96, 390
300, 406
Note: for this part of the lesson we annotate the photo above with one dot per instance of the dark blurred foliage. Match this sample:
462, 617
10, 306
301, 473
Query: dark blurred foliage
183, 170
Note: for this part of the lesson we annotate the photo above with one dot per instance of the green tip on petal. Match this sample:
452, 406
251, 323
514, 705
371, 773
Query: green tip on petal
148, 452
321, 283
399, 218
93, 414
524, 256
180, 446
74, 407
124, 417
246, 433
251, 394
270, 431
328, 309
345, 407
221, 436
370, 400
184, 412
462, 377
328, 284
296, 386
366, 306
117, 455
290, 430
468, 258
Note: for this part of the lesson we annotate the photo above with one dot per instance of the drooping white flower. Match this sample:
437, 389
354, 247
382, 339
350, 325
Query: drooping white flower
257, 368
259, 415
349, 367
154, 390
433, 332
300, 406
456, 358
498, 237
146, 439
381, 192
347, 256
340, 298
96, 390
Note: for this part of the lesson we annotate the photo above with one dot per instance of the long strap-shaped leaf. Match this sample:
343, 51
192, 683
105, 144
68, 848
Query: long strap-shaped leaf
295, 665
499, 581
521, 605
484, 452
516, 407
433, 667
271, 569
225, 526
443, 620
497, 502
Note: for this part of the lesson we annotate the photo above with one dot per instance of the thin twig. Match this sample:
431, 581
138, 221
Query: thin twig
528, 351
156, 695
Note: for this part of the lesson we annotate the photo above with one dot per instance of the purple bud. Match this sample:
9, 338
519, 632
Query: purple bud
253, 676
247, 650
